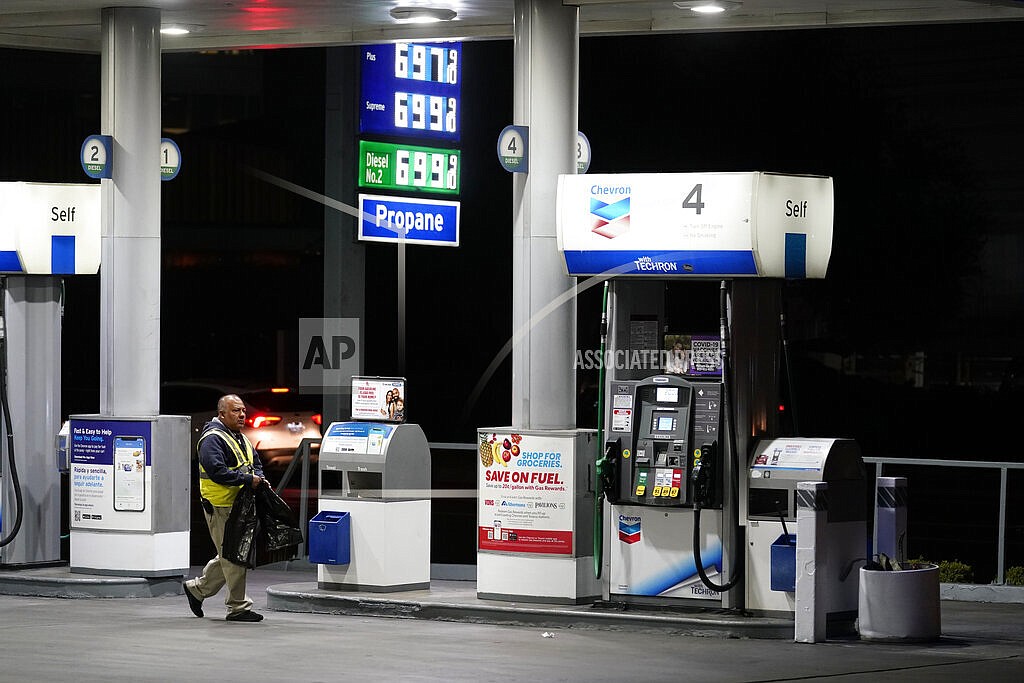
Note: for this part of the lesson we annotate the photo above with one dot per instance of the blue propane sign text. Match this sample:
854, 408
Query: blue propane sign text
420, 221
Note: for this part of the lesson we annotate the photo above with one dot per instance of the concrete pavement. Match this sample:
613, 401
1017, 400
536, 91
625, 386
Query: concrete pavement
158, 639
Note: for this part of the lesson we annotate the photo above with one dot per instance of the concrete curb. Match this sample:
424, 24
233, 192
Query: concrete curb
306, 597
976, 592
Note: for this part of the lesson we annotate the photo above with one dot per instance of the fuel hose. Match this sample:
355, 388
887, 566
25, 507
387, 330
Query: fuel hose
601, 460
724, 333
5, 408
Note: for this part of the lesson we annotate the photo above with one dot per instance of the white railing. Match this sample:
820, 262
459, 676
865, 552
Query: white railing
1003, 468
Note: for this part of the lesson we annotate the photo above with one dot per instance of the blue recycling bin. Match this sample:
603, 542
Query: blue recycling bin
330, 538
784, 563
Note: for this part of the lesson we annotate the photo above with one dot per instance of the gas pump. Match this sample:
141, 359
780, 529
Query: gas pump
665, 441
47, 231
683, 406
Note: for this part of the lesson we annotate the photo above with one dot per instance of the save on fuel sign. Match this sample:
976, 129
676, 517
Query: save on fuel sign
408, 167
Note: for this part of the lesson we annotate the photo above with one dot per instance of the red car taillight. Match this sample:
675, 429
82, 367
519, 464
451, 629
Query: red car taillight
257, 421
318, 419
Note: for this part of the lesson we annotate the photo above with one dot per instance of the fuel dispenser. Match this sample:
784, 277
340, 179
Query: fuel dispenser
664, 445
679, 406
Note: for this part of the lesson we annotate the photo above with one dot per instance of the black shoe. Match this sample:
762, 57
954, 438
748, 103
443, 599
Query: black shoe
194, 603
247, 615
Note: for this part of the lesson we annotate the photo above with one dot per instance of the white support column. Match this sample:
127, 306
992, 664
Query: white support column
891, 524
545, 99
811, 561
130, 246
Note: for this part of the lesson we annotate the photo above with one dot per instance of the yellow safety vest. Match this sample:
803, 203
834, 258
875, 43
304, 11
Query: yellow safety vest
220, 495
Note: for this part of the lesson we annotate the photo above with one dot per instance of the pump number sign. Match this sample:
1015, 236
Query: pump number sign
407, 167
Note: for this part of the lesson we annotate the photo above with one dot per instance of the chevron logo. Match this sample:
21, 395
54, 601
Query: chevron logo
609, 219
629, 529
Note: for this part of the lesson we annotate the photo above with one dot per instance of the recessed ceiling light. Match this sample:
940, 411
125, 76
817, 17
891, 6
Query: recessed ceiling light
179, 29
708, 6
422, 15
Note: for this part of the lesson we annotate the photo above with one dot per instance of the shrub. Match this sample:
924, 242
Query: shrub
955, 571
1015, 576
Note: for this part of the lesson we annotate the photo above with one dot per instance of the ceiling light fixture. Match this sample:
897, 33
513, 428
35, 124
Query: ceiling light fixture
179, 29
708, 6
422, 15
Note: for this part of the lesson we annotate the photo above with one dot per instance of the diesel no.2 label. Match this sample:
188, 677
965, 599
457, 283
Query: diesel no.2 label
411, 89
407, 167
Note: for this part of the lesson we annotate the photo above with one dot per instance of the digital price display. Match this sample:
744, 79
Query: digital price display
406, 167
411, 89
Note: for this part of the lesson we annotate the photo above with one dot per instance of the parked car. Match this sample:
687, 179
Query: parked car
277, 418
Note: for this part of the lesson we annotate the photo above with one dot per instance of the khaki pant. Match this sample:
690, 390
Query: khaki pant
219, 571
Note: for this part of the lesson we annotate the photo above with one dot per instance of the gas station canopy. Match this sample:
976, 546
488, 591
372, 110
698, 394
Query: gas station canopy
74, 25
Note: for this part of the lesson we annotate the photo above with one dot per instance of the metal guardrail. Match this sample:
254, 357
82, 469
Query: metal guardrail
1003, 468
303, 451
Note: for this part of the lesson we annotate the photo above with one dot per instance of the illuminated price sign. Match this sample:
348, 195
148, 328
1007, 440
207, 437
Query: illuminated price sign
412, 89
405, 167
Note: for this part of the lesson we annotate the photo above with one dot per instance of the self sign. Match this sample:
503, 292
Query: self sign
62, 215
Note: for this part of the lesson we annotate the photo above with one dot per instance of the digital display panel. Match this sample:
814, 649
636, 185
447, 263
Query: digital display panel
667, 395
412, 89
663, 422
408, 167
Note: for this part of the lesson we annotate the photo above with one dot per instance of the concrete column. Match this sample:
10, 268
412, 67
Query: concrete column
130, 206
891, 517
344, 255
811, 561
32, 306
545, 99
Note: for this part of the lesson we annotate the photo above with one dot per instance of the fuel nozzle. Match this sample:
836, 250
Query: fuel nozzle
701, 475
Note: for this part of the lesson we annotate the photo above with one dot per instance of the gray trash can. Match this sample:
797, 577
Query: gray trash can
900, 605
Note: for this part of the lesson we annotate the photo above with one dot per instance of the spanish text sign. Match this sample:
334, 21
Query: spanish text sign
111, 474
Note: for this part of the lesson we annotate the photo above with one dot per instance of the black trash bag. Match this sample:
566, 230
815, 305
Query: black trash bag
240, 530
276, 520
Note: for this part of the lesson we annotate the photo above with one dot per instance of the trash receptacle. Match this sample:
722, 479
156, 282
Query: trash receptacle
329, 538
784, 563
900, 605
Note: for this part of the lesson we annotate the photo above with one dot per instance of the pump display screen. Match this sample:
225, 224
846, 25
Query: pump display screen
663, 422
667, 395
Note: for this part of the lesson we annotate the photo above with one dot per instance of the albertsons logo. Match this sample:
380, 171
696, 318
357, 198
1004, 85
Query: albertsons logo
609, 209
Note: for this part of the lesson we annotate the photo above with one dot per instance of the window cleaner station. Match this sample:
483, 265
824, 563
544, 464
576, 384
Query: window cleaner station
372, 532
689, 492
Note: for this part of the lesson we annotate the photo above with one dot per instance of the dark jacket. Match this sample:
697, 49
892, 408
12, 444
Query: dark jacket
216, 457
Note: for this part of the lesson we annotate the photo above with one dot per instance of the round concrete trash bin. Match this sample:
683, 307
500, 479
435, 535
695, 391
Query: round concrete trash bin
901, 606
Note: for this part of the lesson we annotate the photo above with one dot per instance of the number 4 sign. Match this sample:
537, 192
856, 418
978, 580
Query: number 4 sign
513, 149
